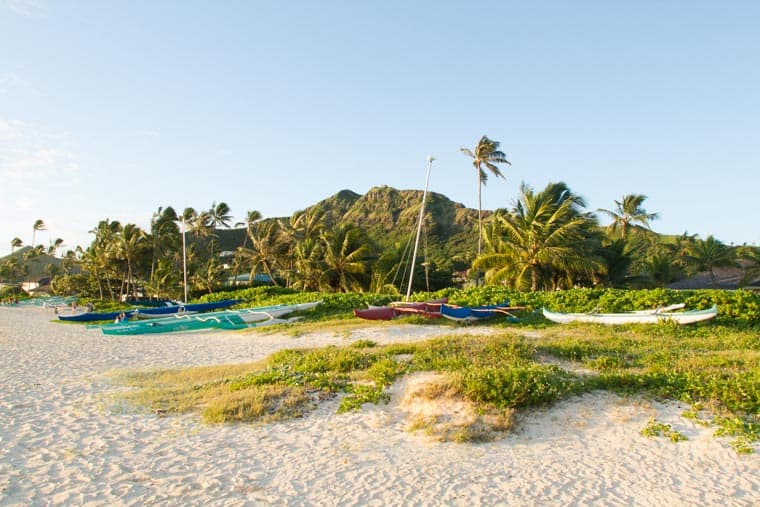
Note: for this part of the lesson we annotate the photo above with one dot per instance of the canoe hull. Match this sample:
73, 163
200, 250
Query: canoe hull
611, 319
429, 309
167, 310
474, 313
229, 319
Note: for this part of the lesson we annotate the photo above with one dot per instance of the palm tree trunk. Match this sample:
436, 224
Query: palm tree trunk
480, 225
269, 272
108, 284
130, 281
480, 213
100, 282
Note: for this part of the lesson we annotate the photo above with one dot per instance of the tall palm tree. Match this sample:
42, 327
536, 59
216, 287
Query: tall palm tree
219, 215
39, 225
164, 235
546, 238
98, 258
629, 213
486, 154
131, 241
199, 224
251, 217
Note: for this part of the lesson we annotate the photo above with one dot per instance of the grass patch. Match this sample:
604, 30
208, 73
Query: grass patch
493, 373
715, 368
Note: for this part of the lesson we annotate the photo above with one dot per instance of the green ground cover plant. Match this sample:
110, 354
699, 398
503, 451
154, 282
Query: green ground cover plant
658, 429
494, 373
714, 366
738, 307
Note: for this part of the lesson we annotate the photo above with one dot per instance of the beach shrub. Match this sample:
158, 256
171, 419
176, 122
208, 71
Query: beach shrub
519, 385
716, 366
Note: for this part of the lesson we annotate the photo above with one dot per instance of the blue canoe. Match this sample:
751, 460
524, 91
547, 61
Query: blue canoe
189, 308
471, 313
167, 310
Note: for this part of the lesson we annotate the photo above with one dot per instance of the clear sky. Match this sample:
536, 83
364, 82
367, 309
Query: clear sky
110, 109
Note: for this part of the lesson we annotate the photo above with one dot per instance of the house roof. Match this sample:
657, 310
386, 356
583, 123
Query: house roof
724, 278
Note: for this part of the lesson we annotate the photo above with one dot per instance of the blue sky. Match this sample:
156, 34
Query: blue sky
110, 109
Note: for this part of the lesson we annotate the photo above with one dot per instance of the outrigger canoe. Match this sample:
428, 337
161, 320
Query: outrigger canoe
650, 317
228, 319
429, 309
162, 310
474, 313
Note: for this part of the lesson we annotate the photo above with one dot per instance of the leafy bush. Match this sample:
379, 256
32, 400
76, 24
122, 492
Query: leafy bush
519, 386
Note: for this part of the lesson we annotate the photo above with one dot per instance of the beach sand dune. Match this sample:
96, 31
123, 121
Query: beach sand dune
62, 442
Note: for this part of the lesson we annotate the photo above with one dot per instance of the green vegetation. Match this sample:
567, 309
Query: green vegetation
658, 429
739, 307
714, 367
547, 241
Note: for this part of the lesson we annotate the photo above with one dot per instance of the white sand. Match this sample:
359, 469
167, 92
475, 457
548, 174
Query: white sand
61, 444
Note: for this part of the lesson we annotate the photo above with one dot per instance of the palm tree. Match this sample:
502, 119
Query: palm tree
69, 261
54, 246
486, 154
208, 277
752, 271
11, 267
16, 243
164, 235
131, 242
345, 258
546, 241
308, 263
660, 269
251, 217
618, 256
198, 223
98, 258
39, 225
265, 250
219, 215
301, 227
629, 213
705, 255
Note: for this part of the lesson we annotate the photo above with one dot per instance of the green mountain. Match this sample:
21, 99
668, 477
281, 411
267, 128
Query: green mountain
389, 217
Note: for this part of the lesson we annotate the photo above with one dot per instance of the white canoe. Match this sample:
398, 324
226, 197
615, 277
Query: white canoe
652, 317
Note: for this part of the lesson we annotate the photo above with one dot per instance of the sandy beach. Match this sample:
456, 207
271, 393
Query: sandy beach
63, 441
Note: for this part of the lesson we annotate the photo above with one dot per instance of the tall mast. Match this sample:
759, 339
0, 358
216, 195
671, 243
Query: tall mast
419, 227
184, 258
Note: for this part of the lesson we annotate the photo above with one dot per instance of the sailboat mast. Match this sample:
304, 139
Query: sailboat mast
419, 227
